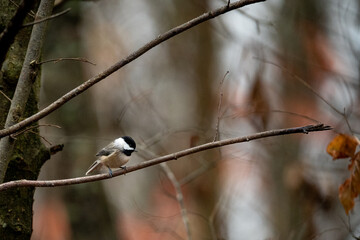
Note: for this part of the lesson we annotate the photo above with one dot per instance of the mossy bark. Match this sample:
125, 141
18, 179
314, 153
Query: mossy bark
29, 153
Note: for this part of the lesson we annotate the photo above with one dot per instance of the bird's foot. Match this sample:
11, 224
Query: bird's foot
124, 168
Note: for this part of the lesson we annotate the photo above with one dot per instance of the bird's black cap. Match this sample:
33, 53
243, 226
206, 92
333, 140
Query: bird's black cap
129, 141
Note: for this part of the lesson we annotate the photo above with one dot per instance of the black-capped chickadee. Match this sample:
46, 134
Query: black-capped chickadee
114, 155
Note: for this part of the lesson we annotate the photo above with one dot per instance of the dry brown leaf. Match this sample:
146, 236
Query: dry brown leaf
350, 189
342, 146
345, 196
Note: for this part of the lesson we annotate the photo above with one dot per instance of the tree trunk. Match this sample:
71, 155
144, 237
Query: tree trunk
29, 153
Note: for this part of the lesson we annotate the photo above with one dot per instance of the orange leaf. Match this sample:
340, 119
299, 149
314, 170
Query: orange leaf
342, 146
345, 195
350, 189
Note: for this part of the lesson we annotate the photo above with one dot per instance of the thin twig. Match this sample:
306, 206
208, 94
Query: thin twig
31, 13
236, 115
153, 43
213, 216
198, 172
302, 81
42, 137
56, 60
179, 197
219, 107
256, 20
47, 18
32, 127
5, 96
169, 157
345, 116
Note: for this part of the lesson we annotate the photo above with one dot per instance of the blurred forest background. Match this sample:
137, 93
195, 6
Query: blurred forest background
290, 63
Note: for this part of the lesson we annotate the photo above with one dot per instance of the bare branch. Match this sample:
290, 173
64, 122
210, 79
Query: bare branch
213, 215
32, 127
219, 107
56, 60
179, 197
31, 13
197, 172
153, 43
42, 137
302, 81
169, 157
46, 18
2, 93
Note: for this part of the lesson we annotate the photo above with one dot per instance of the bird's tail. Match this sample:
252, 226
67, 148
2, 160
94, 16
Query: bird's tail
96, 166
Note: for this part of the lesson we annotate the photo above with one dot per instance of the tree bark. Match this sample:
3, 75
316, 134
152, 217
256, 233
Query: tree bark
29, 153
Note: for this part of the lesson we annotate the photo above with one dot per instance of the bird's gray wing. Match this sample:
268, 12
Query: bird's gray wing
106, 151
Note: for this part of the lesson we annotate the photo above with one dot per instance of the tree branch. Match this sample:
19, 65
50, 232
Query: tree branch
179, 197
216, 137
56, 60
169, 157
27, 77
161, 38
46, 18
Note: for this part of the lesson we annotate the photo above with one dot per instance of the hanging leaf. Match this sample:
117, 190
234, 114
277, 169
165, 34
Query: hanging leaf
350, 189
342, 146
345, 196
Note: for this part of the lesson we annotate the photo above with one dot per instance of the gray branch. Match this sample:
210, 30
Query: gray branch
158, 40
173, 156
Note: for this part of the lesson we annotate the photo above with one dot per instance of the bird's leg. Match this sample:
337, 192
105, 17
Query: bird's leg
110, 172
123, 168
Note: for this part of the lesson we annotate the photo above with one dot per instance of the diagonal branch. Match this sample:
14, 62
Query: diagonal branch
47, 18
169, 157
153, 43
56, 60
216, 137
179, 197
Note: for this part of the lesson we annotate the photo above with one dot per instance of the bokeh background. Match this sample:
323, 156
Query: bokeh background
274, 64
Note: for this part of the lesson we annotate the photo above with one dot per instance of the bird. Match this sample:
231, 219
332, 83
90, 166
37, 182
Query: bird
114, 155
